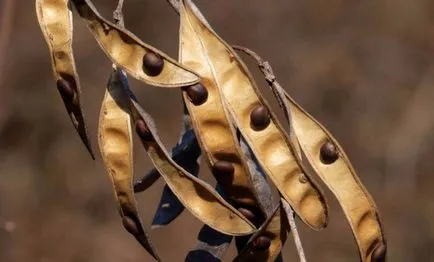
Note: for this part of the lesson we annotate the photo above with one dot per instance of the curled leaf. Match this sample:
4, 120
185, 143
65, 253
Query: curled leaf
55, 20
258, 125
128, 52
115, 142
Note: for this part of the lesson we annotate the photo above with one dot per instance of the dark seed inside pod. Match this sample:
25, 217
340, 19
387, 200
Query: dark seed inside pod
143, 131
65, 88
379, 254
130, 225
328, 153
152, 64
223, 168
197, 94
261, 243
247, 213
260, 118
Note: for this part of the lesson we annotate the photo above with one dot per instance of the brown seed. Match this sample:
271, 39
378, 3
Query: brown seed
143, 131
259, 118
247, 213
197, 94
261, 243
152, 64
223, 168
328, 153
130, 225
379, 254
65, 88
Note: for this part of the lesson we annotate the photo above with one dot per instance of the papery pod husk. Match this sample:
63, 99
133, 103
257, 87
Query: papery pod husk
276, 228
341, 178
127, 51
197, 196
212, 245
116, 146
55, 20
211, 122
271, 145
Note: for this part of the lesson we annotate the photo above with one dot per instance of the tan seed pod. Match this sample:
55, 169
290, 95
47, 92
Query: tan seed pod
197, 196
330, 162
268, 241
266, 137
55, 20
115, 142
211, 122
129, 53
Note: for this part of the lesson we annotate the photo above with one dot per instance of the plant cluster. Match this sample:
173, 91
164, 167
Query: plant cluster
228, 122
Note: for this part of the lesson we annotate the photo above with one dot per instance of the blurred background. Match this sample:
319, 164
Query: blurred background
365, 69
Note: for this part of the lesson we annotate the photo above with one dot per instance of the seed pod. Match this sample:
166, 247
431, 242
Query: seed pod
115, 142
55, 20
330, 162
266, 243
271, 146
197, 196
210, 119
130, 53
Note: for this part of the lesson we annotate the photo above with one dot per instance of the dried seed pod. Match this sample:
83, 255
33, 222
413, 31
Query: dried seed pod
55, 20
115, 142
211, 122
197, 196
131, 54
266, 243
271, 146
330, 162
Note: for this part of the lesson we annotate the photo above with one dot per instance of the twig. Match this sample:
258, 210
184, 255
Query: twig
118, 15
290, 215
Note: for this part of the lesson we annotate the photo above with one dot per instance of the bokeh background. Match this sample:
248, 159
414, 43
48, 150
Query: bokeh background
363, 68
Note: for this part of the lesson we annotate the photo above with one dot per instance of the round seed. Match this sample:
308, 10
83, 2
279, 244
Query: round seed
262, 243
152, 64
260, 118
197, 94
65, 88
130, 225
328, 153
379, 254
143, 131
247, 213
223, 168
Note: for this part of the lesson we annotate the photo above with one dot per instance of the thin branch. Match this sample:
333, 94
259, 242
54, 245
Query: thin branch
118, 14
290, 215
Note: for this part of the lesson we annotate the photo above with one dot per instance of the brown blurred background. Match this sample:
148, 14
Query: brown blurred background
363, 68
